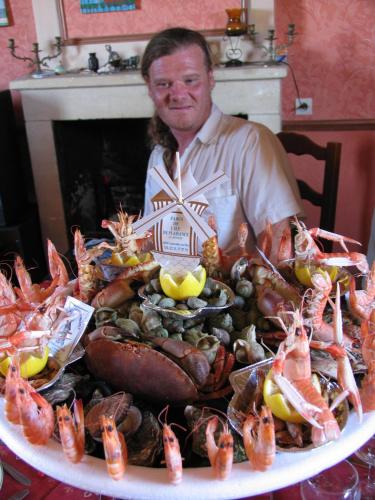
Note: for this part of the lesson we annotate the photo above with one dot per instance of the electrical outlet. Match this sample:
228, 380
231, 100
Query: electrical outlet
306, 110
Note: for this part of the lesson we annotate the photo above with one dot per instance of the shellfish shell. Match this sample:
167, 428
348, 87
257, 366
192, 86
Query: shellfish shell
188, 313
140, 370
247, 379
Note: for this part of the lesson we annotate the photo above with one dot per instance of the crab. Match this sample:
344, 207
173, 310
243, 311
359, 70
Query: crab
173, 372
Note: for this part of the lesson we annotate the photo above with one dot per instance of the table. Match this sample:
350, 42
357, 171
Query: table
44, 487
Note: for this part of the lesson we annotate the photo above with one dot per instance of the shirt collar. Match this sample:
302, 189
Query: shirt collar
209, 132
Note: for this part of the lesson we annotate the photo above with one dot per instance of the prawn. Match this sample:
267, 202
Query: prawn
36, 414
220, 455
12, 384
172, 453
115, 449
259, 439
72, 431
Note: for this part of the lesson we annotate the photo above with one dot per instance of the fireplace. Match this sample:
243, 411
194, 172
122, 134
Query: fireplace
102, 166
49, 103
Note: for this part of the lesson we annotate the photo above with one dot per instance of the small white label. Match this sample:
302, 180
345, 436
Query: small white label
176, 234
71, 326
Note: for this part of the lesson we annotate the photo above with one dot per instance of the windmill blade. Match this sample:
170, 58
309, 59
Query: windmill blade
150, 220
216, 179
199, 225
165, 182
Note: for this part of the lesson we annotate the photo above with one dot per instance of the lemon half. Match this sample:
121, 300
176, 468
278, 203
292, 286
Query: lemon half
190, 285
304, 272
278, 404
31, 364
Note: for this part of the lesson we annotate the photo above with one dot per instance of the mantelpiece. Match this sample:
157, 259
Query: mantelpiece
252, 90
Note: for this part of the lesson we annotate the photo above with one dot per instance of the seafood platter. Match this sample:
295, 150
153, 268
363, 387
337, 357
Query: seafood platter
157, 367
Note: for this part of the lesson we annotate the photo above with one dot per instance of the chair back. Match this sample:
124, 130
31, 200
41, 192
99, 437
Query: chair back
328, 158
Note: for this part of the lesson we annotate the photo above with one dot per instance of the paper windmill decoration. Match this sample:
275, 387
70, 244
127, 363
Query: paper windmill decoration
177, 221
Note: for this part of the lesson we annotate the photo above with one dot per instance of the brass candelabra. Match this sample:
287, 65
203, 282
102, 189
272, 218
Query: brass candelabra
275, 52
36, 61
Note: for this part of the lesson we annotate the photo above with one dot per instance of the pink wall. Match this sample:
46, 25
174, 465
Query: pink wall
22, 29
334, 62
153, 16
333, 57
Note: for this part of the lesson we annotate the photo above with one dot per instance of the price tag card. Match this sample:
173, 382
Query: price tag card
71, 326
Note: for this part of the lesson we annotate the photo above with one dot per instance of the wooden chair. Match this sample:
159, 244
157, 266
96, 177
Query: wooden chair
329, 158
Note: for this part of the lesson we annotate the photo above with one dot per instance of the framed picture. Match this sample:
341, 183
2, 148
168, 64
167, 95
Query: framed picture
127, 20
92, 6
4, 21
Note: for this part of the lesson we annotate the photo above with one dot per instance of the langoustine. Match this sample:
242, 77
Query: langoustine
291, 371
362, 302
367, 390
307, 251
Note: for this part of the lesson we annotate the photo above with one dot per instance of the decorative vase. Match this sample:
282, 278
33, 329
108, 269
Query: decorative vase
93, 62
235, 27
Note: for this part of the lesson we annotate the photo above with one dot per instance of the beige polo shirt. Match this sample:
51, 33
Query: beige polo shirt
260, 187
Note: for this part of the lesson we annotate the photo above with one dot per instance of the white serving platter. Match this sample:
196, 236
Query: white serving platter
145, 483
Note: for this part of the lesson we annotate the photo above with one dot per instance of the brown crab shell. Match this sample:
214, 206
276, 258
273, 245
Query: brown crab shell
137, 368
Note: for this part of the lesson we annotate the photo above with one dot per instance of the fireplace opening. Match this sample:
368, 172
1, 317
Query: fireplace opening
102, 167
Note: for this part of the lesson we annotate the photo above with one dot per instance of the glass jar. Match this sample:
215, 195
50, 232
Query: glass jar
235, 27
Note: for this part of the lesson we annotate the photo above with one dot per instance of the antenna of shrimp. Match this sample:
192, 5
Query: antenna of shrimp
165, 410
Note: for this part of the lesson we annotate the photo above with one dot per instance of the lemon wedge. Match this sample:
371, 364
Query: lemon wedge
190, 285
31, 364
118, 259
278, 404
303, 273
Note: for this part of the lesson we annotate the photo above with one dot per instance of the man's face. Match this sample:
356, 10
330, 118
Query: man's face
180, 86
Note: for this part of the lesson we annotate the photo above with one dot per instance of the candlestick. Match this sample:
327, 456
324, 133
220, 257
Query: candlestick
276, 53
37, 61
244, 12
179, 177
291, 28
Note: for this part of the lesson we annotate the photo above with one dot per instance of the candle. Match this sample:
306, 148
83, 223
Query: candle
179, 177
244, 12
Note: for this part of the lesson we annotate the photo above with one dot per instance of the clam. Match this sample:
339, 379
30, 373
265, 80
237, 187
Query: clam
116, 405
104, 315
131, 422
145, 445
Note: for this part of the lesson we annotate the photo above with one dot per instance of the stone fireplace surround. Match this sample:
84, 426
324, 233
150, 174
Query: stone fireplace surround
251, 90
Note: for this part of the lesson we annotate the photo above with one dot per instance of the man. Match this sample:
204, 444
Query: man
177, 68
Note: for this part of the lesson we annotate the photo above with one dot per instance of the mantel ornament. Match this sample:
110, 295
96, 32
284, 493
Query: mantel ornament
37, 61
